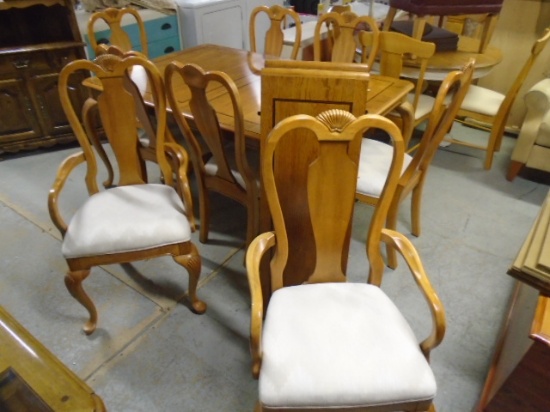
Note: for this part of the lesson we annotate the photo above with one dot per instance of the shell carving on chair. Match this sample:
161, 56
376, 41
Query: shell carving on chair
336, 120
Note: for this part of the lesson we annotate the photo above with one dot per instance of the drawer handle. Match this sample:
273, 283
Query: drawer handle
21, 64
169, 49
166, 26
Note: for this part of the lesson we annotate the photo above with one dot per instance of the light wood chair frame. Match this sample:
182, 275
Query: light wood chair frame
274, 37
339, 170
205, 120
121, 132
344, 39
412, 180
119, 37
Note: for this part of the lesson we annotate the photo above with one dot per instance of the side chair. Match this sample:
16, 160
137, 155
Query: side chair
326, 344
376, 156
279, 18
119, 37
394, 48
490, 107
343, 39
133, 220
227, 170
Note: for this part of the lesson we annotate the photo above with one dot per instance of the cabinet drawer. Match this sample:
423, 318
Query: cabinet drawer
15, 64
164, 46
103, 36
161, 28
57, 59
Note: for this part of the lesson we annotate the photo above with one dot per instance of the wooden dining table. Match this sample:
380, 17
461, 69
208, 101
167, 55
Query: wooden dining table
385, 93
443, 62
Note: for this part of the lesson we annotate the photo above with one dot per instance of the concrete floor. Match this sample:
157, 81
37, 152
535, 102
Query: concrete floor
150, 353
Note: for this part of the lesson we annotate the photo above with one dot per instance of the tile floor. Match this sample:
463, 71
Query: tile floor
150, 353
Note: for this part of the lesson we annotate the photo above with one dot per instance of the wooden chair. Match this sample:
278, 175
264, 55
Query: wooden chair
376, 156
423, 9
227, 170
113, 18
393, 49
133, 220
327, 344
493, 108
274, 37
343, 29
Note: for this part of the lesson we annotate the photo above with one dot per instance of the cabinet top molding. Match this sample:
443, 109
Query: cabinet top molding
8, 4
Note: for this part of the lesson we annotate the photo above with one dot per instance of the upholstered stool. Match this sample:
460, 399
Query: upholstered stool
424, 8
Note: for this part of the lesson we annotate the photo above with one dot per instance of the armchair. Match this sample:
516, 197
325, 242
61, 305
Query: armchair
133, 220
533, 143
327, 344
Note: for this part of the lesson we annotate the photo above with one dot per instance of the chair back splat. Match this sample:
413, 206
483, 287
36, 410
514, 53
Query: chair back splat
280, 18
119, 37
314, 217
133, 220
344, 33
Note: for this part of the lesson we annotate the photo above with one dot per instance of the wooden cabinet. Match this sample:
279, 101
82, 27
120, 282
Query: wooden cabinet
37, 38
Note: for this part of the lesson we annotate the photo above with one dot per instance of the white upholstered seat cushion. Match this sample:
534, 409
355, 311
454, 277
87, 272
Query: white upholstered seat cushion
481, 100
127, 218
211, 167
374, 165
339, 344
424, 105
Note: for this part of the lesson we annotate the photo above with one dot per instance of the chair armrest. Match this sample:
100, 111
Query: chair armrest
179, 160
256, 250
537, 101
409, 253
65, 169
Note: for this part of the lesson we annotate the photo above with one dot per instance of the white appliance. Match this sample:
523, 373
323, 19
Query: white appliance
223, 22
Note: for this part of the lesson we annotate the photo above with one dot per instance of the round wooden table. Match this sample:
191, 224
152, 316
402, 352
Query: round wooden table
443, 62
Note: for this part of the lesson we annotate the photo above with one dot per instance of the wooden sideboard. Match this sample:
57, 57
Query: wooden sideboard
37, 38
519, 376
